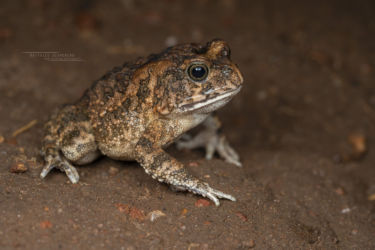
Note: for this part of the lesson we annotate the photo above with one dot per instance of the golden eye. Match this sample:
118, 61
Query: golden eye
198, 72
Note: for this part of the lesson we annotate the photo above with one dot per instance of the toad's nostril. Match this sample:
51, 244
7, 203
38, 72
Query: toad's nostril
239, 75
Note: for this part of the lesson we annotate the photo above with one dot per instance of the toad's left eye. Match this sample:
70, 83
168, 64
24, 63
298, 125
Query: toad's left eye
198, 72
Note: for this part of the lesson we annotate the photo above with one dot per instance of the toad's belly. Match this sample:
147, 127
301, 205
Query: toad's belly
125, 150
123, 147
121, 151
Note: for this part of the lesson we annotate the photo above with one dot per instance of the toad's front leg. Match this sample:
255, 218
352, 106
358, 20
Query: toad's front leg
164, 168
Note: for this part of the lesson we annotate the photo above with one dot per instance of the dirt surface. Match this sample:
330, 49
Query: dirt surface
304, 126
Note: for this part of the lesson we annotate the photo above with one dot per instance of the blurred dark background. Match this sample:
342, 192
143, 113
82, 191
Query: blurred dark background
304, 123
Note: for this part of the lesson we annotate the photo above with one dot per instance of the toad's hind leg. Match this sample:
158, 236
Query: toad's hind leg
212, 140
68, 142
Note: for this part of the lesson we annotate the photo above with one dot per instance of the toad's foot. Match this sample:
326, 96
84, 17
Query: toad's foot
213, 142
64, 166
205, 190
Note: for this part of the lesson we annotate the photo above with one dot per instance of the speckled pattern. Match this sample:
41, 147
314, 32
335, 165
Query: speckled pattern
134, 111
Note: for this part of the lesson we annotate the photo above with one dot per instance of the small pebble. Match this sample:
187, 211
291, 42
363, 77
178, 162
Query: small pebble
45, 224
113, 170
345, 210
132, 211
241, 216
184, 211
193, 164
339, 191
18, 167
248, 244
152, 216
371, 197
202, 203
358, 142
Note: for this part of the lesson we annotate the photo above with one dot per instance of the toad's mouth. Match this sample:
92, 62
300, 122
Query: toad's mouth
210, 104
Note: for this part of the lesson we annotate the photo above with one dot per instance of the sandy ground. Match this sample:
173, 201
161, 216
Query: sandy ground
304, 126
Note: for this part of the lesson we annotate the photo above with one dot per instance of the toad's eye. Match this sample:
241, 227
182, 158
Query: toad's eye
198, 72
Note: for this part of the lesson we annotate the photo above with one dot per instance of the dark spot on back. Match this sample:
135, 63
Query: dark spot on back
126, 104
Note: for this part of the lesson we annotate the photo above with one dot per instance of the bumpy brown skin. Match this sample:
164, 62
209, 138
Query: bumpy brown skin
134, 111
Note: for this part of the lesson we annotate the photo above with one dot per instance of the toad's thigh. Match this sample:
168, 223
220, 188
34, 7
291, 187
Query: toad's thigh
79, 146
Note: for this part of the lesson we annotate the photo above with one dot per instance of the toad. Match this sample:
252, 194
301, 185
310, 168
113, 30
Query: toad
135, 111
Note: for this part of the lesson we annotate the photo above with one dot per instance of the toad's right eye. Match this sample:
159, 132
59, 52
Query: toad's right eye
198, 72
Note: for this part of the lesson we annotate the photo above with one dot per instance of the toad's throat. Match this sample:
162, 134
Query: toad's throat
222, 99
